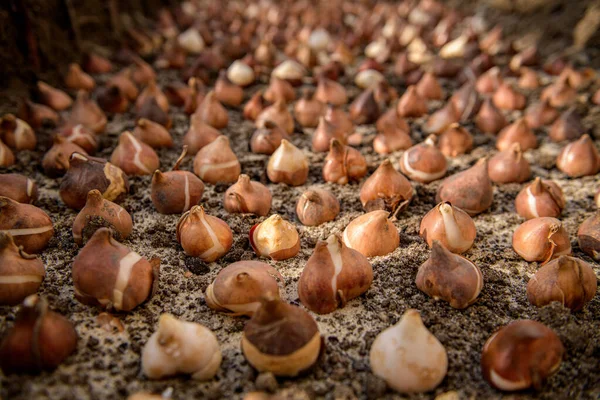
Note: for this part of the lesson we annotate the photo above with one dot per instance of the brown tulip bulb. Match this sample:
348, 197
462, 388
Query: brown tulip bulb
579, 158
216, 162
386, 189
507, 98
227, 92
528, 79
254, 106
199, 135
142, 73
275, 238
441, 119
517, 132
87, 173
81, 136
372, 234
596, 97
520, 355
489, 81
391, 119
424, 162
384, 94
53, 97
18, 188
364, 109
449, 277
238, 288
204, 236
194, 95
470, 190
568, 280
20, 273
109, 275
588, 236
450, 226
176, 191
150, 109
279, 90
96, 64
528, 56
37, 115
267, 139
281, 338
123, 81
403, 66
279, 114
540, 114
152, 91
40, 339
153, 134
288, 165
30, 227
247, 197
567, 127
343, 164
455, 141
86, 112
392, 139
7, 158
133, 156
466, 101
331, 92
541, 239
559, 94
334, 274
16, 133
509, 166
308, 111
56, 159
337, 117
97, 213
112, 100
429, 88
78, 80
541, 198
317, 206
411, 104
212, 112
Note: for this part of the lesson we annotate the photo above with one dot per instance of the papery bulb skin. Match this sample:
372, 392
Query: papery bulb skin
281, 338
153, 134
308, 111
204, 236
290, 71
372, 234
199, 135
238, 288
56, 159
212, 112
279, 90
424, 162
450, 226
254, 106
568, 280
520, 355
455, 141
364, 109
216, 162
588, 236
21, 274
151, 110
288, 165
53, 97
112, 100
386, 189
228, 92
541, 198
541, 239
247, 197
408, 357
30, 227
449, 277
97, 213
509, 166
87, 113
466, 102
86, 173
152, 91
7, 158
330, 92
191, 41
517, 132
109, 275
279, 114
267, 139
317, 206
368, 78
81, 136
16, 133
470, 190
411, 104
343, 164
180, 347
429, 87
39, 340
76, 79
133, 156
540, 114
441, 119
18, 188
567, 127
579, 158
334, 274
275, 238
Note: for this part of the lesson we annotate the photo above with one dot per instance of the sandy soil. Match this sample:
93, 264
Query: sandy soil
107, 365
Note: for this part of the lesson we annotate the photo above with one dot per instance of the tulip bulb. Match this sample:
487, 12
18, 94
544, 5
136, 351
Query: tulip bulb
246, 196
541, 240
391, 139
56, 159
53, 97
334, 274
7, 158
279, 114
343, 164
20, 273
153, 134
411, 104
429, 87
133, 156
275, 238
30, 227
540, 114
559, 94
408, 357
86, 112
81, 136
291, 71
368, 78
441, 119
204, 236
386, 189
509, 166
212, 112
567, 127
579, 158
588, 236
240, 73
216, 162
16, 133
288, 165
331, 92
317, 206
179, 347
470, 190
254, 106
18, 188
450, 226
372, 234
455, 141
199, 135
191, 41
279, 90
228, 92
424, 162
308, 111
76, 79
541, 198
517, 132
